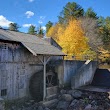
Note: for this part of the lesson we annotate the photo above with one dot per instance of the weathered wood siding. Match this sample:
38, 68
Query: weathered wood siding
16, 70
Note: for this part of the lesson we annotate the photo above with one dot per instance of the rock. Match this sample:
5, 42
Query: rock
46, 109
67, 97
68, 100
91, 97
32, 101
70, 92
40, 108
50, 103
109, 96
76, 94
59, 97
63, 105
108, 93
94, 102
13, 108
63, 91
27, 103
73, 103
95, 108
88, 107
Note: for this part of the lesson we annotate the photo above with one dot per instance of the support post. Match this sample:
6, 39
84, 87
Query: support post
44, 61
44, 88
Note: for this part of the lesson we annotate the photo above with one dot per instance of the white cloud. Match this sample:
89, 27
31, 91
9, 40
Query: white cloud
29, 14
41, 19
4, 22
44, 28
27, 25
30, 0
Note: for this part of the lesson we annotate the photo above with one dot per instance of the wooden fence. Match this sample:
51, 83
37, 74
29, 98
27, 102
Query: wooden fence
81, 57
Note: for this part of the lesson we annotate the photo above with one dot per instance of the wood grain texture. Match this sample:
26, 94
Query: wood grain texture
16, 71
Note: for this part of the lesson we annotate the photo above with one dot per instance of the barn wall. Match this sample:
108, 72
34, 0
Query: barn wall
16, 68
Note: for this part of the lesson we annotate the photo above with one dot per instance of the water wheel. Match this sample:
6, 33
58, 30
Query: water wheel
36, 86
51, 79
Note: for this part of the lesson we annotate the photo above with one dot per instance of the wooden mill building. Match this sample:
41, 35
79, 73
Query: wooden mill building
21, 56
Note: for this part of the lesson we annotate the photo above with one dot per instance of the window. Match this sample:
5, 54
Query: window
3, 92
4, 53
5, 46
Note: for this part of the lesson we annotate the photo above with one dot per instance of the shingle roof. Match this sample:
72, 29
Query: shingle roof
31, 42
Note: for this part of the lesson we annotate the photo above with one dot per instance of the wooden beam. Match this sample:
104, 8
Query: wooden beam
40, 60
44, 61
44, 87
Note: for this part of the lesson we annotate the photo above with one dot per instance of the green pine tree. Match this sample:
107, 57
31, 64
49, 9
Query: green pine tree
73, 10
40, 32
48, 26
90, 13
13, 27
32, 30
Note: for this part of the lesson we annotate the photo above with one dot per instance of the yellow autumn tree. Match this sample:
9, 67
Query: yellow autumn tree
71, 38
55, 31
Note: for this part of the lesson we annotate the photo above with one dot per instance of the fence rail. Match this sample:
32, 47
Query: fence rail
81, 57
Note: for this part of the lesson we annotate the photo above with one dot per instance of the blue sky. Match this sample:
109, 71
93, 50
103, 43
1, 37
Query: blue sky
39, 12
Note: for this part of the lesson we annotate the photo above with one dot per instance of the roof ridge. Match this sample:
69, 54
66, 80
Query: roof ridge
22, 33
34, 44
